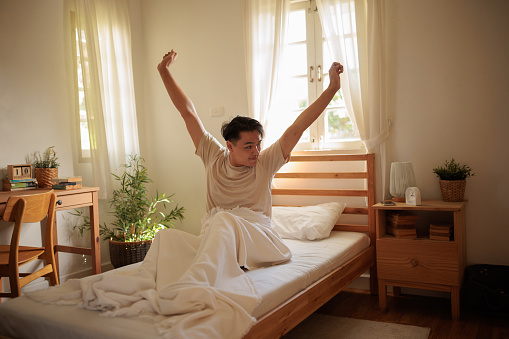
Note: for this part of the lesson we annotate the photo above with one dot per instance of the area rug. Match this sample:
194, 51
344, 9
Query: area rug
328, 327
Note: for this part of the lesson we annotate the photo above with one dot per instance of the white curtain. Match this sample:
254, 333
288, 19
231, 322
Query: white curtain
105, 47
354, 31
265, 24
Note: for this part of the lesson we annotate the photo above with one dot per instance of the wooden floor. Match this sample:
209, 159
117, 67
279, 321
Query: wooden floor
421, 311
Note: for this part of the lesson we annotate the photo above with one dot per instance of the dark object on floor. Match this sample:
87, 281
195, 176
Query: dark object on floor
485, 290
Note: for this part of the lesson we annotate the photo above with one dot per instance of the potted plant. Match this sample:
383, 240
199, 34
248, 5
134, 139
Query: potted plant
452, 180
137, 219
46, 167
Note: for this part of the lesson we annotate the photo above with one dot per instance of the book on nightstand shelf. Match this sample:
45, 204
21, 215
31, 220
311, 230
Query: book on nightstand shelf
441, 231
66, 183
20, 184
402, 224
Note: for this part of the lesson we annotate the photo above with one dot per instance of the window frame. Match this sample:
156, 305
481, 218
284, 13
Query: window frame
84, 155
315, 58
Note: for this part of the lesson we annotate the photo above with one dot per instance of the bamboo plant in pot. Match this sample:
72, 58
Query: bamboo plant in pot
452, 180
137, 219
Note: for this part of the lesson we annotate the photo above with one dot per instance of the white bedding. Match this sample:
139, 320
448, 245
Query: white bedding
23, 317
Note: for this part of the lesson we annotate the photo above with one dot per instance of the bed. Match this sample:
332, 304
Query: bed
290, 292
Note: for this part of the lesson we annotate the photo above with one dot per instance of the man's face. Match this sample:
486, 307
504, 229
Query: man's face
245, 152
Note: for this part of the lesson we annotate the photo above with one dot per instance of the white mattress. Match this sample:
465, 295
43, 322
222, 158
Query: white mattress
25, 318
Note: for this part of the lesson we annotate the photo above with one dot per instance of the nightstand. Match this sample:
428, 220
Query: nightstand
422, 263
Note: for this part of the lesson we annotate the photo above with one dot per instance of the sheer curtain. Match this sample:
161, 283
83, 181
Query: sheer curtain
265, 24
353, 30
105, 46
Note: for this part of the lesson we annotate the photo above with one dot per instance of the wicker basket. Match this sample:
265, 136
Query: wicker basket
125, 253
453, 190
44, 176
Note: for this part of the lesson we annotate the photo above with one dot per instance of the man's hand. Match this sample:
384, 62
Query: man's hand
335, 70
168, 59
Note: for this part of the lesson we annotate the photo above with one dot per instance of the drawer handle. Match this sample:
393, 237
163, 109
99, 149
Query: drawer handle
59, 202
414, 262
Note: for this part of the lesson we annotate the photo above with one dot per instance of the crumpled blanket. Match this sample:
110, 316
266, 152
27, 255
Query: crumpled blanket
191, 286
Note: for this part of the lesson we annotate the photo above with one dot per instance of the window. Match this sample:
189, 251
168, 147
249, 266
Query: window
79, 91
304, 76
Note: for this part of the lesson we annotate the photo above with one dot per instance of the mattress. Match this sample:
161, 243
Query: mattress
25, 318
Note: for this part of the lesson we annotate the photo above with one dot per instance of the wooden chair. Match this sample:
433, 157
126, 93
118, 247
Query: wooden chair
32, 208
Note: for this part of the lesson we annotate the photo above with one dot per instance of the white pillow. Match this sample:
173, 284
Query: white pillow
306, 222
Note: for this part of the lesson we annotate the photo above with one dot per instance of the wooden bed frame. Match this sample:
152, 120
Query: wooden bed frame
290, 313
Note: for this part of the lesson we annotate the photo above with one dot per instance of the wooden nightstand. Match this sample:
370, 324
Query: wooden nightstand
422, 263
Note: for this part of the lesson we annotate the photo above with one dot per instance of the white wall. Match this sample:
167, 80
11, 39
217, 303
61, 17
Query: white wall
448, 91
447, 78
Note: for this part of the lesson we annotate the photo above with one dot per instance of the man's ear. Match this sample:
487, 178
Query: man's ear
229, 145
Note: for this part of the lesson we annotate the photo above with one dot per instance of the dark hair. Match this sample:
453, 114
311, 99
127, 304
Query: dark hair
231, 130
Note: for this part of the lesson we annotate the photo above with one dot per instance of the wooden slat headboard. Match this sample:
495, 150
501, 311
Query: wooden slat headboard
368, 174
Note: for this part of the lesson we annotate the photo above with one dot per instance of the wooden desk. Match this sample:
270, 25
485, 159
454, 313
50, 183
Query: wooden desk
83, 197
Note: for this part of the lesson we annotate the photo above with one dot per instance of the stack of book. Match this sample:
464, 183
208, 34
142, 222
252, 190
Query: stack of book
441, 231
66, 183
402, 224
20, 184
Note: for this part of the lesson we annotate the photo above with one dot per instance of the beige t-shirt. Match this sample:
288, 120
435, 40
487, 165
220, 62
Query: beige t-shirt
229, 186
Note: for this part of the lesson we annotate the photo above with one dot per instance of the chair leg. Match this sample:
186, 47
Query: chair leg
14, 281
15, 288
53, 276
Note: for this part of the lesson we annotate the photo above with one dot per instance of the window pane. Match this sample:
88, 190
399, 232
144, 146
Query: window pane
339, 126
295, 62
294, 94
85, 140
297, 26
327, 57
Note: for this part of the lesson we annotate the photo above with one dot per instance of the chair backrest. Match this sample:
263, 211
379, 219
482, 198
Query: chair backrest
37, 207
31, 208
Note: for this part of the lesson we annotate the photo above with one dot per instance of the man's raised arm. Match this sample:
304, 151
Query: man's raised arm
181, 101
293, 134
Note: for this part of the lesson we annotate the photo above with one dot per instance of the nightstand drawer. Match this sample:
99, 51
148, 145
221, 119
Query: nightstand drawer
420, 261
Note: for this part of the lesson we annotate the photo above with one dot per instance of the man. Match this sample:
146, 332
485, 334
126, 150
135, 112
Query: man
240, 174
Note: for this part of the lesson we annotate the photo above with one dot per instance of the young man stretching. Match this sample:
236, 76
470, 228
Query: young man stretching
240, 175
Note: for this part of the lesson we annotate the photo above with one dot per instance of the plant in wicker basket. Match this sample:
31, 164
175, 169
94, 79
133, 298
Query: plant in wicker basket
452, 180
137, 219
46, 167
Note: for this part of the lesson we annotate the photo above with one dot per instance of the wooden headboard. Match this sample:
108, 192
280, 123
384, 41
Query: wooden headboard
337, 178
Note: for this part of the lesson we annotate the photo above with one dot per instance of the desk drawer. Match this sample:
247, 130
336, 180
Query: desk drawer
420, 261
74, 200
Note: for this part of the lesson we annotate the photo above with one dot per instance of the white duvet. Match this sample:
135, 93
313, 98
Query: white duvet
190, 286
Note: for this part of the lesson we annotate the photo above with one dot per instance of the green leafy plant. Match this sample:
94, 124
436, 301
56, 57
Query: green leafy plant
48, 159
453, 171
137, 216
